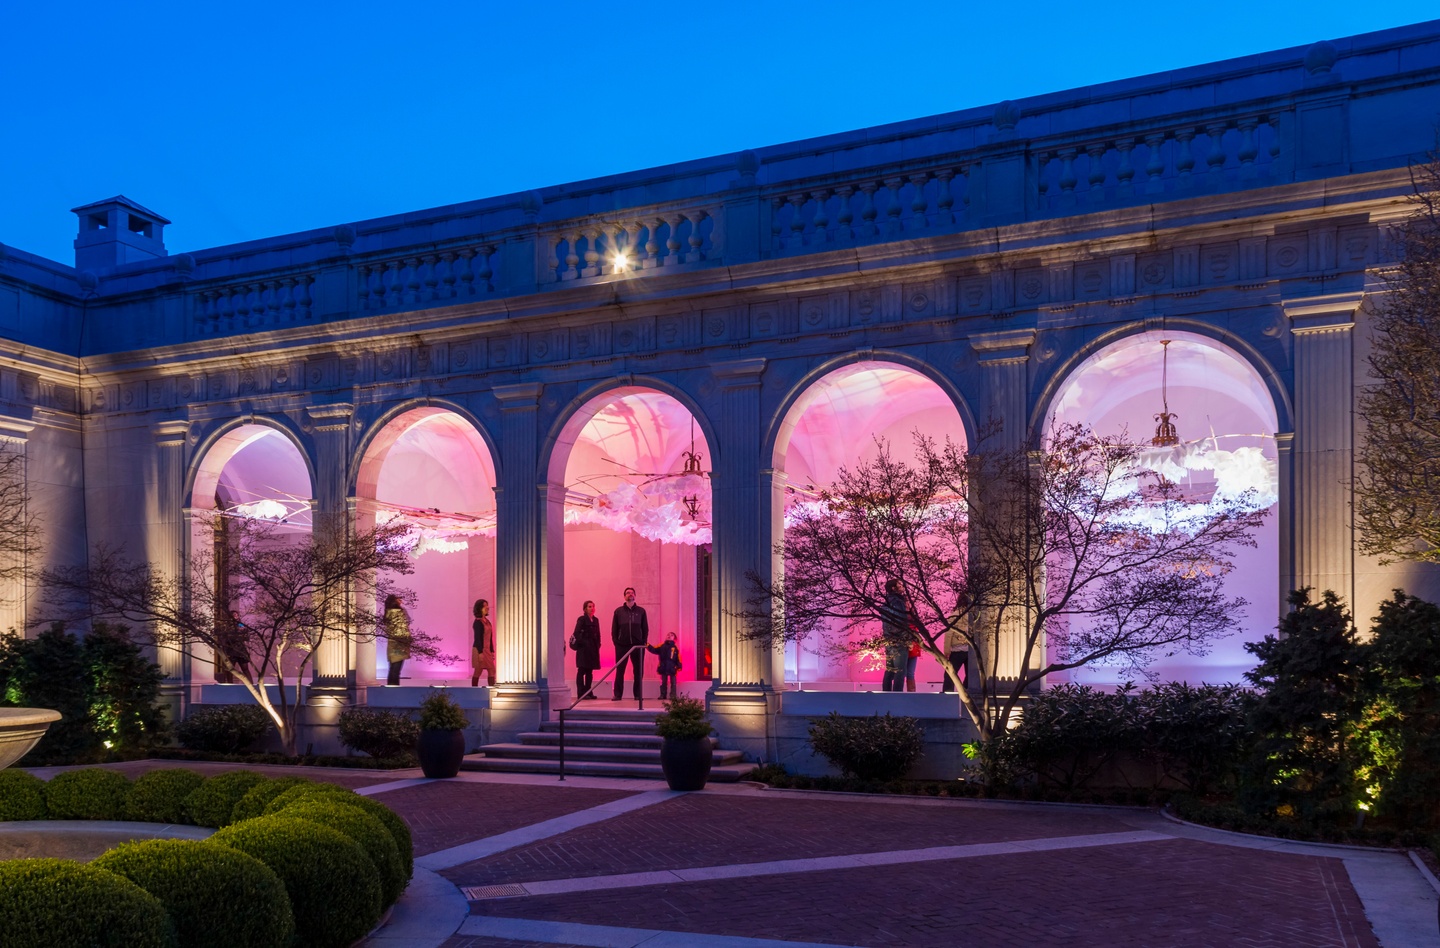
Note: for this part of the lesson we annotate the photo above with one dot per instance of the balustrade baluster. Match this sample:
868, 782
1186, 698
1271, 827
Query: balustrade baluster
776, 228
592, 253
797, 222
485, 270
1185, 157
225, 307
1216, 156
1154, 163
445, 270
893, 209
287, 299
944, 200
1249, 151
652, 243
465, 271
846, 216
1067, 172
821, 219
672, 241
412, 280
1096, 177
267, 299
1125, 172
303, 299
868, 211
394, 284
697, 239
429, 284
376, 289
920, 203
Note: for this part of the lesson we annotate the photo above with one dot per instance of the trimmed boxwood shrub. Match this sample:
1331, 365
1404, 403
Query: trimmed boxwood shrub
213, 802
338, 814
333, 886
872, 748
379, 733
22, 796
159, 796
223, 729
258, 797
216, 895
397, 827
49, 902
91, 794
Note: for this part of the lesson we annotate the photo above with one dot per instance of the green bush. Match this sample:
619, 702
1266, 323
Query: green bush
338, 813
1067, 735
379, 733
216, 896
159, 796
49, 902
224, 729
90, 794
398, 828
22, 796
258, 797
1199, 735
873, 748
106, 690
212, 803
333, 886
440, 712
683, 719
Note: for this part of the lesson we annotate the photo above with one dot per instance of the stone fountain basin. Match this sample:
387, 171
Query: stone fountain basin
21, 729
82, 840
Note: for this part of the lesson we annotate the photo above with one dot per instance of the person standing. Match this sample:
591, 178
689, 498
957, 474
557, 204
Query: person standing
482, 649
959, 648
630, 627
585, 640
669, 653
895, 626
397, 637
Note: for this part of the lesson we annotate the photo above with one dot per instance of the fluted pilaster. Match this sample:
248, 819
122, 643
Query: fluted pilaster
165, 540
330, 424
519, 598
1323, 548
15, 438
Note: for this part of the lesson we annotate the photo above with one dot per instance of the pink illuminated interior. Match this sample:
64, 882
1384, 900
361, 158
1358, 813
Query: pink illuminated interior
835, 424
431, 468
637, 437
1216, 395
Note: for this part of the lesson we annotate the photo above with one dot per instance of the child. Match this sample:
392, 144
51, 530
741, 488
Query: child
669, 654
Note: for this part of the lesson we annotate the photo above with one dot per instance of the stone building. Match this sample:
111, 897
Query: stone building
525, 377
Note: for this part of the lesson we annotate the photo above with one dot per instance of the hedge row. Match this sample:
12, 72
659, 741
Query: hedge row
312, 863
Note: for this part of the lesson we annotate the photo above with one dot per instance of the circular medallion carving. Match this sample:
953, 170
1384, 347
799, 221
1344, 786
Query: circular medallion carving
717, 328
625, 338
813, 316
460, 358
919, 301
1287, 256
1030, 288
1153, 273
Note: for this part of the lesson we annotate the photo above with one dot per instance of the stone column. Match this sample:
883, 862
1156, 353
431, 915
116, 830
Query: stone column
520, 607
744, 688
772, 491
1322, 459
165, 541
1003, 358
15, 438
334, 668
199, 532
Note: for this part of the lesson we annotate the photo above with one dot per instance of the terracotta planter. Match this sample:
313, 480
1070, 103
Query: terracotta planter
686, 762
440, 753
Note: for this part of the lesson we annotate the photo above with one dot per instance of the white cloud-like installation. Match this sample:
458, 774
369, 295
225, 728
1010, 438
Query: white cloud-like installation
261, 510
654, 510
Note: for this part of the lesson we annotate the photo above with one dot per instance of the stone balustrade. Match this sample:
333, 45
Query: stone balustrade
640, 240
1212, 155
250, 304
927, 201
422, 279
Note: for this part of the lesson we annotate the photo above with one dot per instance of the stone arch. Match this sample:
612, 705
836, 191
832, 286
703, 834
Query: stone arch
777, 433
1279, 392
206, 466
378, 427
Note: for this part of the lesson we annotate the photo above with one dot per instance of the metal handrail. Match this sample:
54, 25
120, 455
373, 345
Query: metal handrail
591, 690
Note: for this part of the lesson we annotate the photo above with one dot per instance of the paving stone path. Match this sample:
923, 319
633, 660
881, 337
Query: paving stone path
506, 861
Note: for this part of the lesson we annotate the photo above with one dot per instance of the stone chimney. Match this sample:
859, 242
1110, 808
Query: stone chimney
117, 231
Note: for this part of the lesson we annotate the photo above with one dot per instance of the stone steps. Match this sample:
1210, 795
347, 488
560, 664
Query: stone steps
598, 743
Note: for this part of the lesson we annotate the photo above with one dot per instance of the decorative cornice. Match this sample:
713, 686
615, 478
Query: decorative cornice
1331, 312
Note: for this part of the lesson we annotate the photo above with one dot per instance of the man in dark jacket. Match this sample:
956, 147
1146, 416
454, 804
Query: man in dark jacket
629, 628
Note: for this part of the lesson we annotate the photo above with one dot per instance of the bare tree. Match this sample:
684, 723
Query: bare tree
1397, 493
1038, 561
289, 595
19, 529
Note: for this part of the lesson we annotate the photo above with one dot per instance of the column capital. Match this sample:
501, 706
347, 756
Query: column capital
334, 417
170, 433
518, 395
1003, 348
14, 430
1330, 312
739, 373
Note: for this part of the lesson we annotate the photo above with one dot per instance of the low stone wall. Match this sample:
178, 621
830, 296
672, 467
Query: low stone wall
946, 729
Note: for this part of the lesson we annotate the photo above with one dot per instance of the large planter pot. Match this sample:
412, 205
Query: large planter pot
686, 762
21, 729
440, 753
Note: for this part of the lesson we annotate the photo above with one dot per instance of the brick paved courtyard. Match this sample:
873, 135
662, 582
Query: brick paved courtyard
610, 862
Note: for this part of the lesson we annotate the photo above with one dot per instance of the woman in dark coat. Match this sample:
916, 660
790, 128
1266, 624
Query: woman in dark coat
585, 640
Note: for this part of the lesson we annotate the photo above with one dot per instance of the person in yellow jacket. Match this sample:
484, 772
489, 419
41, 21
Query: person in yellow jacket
397, 637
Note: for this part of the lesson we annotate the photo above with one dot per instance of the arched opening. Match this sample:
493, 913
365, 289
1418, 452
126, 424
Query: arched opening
838, 421
430, 469
253, 472
1225, 421
630, 468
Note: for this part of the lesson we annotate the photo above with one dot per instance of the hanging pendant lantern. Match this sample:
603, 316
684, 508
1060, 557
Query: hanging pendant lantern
1165, 434
692, 467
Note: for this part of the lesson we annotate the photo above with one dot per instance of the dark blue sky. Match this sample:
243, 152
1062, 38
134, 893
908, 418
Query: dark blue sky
287, 116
